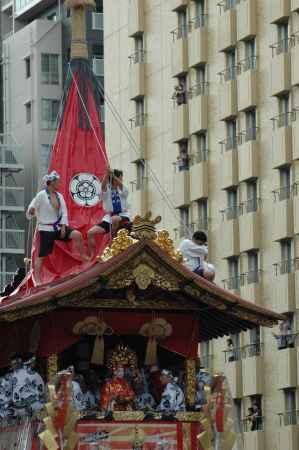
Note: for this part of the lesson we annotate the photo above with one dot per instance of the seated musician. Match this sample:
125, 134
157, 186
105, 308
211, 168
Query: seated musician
173, 398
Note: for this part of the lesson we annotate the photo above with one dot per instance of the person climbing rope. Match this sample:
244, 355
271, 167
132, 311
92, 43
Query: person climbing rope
115, 203
52, 222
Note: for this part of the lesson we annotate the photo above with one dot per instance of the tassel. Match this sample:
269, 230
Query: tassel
151, 352
48, 440
72, 441
98, 351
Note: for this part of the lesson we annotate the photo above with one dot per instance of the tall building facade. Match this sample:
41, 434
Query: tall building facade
221, 155
36, 37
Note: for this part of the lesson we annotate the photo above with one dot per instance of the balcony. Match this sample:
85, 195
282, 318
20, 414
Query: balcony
287, 374
178, 4
295, 133
246, 19
98, 67
227, 29
249, 225
136, 17
284, 288
139, 196
5, 279
12, 241
197, 45
11, 199
288, 436
180, 123
137, 75
198, 108
282, 140
247, 84
254, 440
97, 21
227, 93
280, 69
294, 5
248, 155
251, 287
11, 155
283, 220
138, 135
179, 51
233, 372
230, 229
252, 369
229, 165
295, 58
280, 9
181, 188
199, 184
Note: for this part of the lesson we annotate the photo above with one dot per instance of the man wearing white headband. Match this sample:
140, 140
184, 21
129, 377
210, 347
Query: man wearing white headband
52, 221
173, 398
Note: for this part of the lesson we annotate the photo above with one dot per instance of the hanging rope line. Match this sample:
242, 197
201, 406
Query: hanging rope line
152, 174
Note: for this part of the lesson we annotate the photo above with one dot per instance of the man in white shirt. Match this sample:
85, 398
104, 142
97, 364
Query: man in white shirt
195, 252
52, 221
115, 204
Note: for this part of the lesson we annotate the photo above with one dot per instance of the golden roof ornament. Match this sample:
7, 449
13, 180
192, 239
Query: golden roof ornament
78, 13
165, 243
123, 356
120, 243
145, 227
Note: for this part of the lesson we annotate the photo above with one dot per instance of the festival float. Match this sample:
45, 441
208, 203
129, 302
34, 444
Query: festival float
135, 309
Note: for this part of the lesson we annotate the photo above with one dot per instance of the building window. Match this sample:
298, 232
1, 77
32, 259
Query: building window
232, 203
140, 172
233, 281
184, 221
286, 337
231, 134
27, 67
200, 87
50, 110
254, 348
52, 16
282, 37
28, 112
199, 19
50, 70
238, 409
183, 158
290, 414
284, 117
250, 119
202, 213
250, 55
285, 183
201, 147
180, 91
255, 416
138, 55
252, 201
139, 112
286, 264
182, 31
230, 64
45, 158
205, 355
253, 267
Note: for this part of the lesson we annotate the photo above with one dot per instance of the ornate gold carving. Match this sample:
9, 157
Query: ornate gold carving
145, 227
122, 355
136, 416
165, 243
18, 314
123, 303
186, 436
143, 276
192, 416
52, 363
190, 381
120, 243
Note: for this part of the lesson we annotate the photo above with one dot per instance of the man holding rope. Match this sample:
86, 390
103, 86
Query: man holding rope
52, 222
115, 203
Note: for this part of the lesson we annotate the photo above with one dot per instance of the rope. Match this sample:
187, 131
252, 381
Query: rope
146, 164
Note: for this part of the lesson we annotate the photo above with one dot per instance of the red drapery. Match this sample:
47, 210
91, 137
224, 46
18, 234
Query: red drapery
56, 331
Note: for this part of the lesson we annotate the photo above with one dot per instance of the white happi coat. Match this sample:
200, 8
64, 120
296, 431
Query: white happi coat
5, 396
89, 400
37, 389
144, 401
22, 393
172, 399
79, 402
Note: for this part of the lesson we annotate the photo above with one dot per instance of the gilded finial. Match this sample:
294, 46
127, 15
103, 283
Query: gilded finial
165, 243
145, 227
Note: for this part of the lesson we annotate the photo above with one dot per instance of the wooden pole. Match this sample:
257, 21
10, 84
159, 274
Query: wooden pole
78, 13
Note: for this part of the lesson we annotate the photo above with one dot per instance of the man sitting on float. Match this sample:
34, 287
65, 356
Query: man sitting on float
116, 393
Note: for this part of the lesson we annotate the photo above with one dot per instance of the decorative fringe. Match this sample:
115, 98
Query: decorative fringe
151, 352
48, 440
98, 351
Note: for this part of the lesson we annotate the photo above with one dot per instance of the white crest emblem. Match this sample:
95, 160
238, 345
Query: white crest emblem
85, 189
